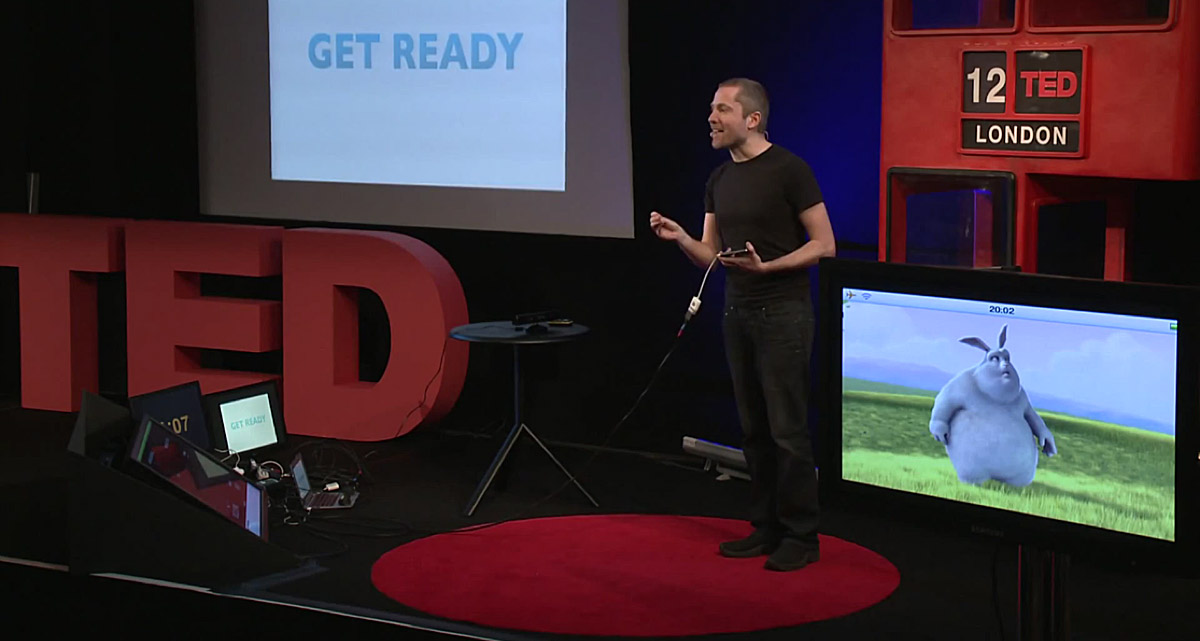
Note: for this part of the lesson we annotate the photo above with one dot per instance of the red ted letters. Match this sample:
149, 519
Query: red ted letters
169, 321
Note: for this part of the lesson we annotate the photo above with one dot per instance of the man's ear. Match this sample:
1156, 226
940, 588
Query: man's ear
753, 120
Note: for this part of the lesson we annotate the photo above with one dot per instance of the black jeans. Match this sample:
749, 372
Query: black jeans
768, 347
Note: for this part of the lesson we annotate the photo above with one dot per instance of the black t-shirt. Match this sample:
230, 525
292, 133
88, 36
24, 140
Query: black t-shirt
760, 200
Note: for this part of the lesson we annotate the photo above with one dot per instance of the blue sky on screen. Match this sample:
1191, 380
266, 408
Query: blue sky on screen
1107, 371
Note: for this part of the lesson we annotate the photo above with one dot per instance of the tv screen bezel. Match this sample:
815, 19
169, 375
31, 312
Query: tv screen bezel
1014, 288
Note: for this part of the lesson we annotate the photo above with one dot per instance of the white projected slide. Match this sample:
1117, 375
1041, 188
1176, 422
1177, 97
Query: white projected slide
459, 93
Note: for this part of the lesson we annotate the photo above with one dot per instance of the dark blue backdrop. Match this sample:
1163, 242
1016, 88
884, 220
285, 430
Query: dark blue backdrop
821, 64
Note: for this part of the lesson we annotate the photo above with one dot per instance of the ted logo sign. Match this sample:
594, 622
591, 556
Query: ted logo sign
170, 323
1048, 82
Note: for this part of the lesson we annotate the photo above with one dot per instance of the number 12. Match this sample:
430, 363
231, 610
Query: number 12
996, 95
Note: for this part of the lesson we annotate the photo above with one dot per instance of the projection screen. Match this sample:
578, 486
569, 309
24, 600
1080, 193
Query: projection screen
500, 115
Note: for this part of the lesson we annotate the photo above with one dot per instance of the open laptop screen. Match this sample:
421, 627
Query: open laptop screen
301, 476
201, 475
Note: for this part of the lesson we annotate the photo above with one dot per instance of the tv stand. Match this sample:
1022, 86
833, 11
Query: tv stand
1043, 609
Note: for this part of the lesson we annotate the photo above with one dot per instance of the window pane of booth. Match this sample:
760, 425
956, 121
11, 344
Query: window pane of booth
1098, 13
960, 218
1071, 239
952, 14
955, 228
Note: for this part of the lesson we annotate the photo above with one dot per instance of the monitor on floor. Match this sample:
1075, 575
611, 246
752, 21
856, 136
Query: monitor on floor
246, 419
180, 407
200, 475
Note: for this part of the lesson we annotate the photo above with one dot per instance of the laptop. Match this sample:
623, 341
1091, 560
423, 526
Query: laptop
319, 499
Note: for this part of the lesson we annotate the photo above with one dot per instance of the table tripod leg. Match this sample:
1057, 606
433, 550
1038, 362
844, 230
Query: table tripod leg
490, 475
560, 465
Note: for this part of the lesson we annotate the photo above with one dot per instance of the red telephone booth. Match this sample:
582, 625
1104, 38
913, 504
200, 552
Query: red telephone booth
1001, 113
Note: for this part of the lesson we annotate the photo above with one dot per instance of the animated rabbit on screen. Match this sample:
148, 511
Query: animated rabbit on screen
986, 422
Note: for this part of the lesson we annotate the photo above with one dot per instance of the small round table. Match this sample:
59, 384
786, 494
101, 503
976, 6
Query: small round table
506, 333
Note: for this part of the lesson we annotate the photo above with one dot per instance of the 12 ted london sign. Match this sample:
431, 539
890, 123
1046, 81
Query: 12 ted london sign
1037, 101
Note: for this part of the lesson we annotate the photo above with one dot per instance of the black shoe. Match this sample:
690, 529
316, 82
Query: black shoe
792, 555
756, 544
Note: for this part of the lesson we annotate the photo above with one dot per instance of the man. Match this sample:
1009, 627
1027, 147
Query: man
766, 200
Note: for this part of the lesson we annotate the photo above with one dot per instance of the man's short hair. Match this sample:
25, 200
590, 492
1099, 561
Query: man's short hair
753, 97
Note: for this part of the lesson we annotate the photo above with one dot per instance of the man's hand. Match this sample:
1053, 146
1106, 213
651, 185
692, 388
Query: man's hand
664, 227
750, 262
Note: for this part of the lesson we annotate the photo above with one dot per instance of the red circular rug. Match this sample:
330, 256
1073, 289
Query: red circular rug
624, 575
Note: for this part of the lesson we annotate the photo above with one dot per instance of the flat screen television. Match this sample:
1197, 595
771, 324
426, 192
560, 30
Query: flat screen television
1050, 411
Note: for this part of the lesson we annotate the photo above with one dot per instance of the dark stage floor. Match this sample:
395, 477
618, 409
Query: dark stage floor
420, 484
